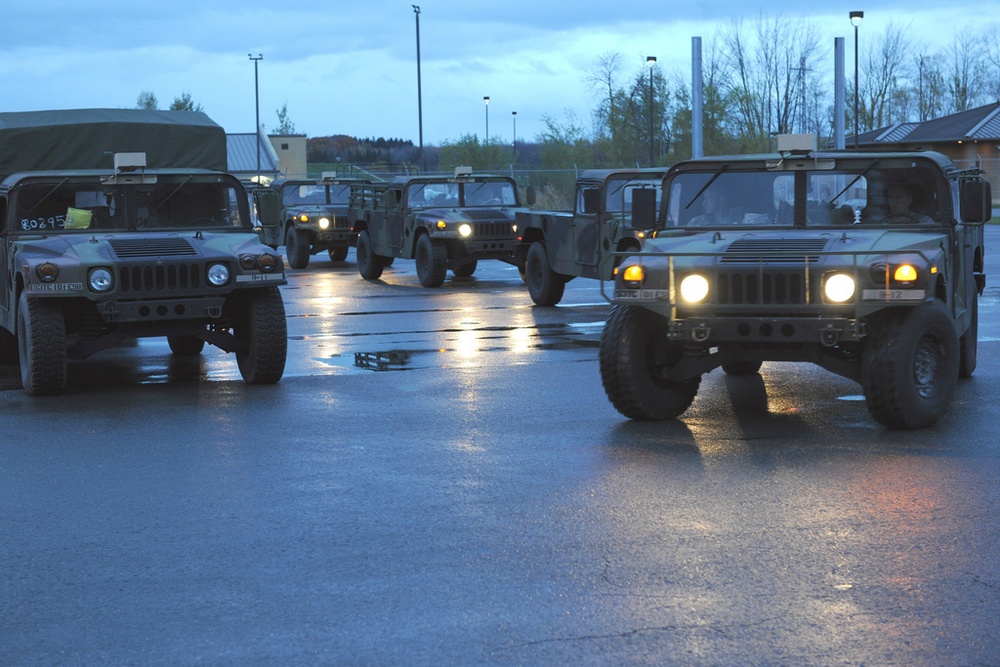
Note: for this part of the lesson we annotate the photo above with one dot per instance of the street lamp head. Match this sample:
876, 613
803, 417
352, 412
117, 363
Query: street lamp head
650, 60
513, 113
856, 18
416, 9
486, 99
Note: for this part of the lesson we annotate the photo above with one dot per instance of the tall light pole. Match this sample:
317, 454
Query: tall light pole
856, 21
486, 101
513, 115
256, 97
420, 106
651, 62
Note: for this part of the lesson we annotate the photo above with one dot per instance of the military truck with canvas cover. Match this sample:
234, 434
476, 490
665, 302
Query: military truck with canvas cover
313, 219
122, 223
613, 211
442, 222
804, 256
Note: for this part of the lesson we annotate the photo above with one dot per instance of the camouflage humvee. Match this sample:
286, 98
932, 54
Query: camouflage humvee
442, 222
803, 256
614, 209
94, 256
313, 218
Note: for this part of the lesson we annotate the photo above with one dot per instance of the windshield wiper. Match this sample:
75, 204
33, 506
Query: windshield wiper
717, 173
48, 194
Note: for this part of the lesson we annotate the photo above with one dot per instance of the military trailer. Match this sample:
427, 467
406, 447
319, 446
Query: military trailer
313, 219
613, 211
804, 256
118, 224
442, 222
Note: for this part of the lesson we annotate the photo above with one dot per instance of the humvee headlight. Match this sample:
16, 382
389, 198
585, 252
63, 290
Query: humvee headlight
905, 273
324, 223
47, 272
267, 263
100, 279
694, 288
839, 288
303, 218
633, 273
218, 274
441, 224
465, 230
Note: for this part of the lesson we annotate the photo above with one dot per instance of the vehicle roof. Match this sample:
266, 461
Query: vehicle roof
405, 180
346, 180
939, 158
88, 138
10, 180
601, 175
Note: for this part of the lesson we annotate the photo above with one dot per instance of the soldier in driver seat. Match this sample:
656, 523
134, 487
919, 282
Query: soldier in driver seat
901, 198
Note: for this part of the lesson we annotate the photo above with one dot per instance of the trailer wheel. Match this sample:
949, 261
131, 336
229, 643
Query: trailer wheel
467, 269
41, 346
432, 262
186, 346
262, 332
634, 354
545, 286
369, 264
337, 254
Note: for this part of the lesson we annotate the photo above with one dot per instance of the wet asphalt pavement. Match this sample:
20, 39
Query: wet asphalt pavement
440, 479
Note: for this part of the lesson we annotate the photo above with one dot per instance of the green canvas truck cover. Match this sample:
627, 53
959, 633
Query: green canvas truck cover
88, 138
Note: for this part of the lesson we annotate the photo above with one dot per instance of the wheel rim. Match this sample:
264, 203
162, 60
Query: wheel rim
927, 364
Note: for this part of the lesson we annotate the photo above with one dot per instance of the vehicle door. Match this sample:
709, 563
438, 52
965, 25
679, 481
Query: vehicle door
586, 227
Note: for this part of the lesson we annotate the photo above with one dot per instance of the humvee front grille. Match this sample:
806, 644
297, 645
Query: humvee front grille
770, 288
159, 279
171, 246
494, 230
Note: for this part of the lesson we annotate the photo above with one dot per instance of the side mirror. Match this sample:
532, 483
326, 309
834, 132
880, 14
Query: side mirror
975, 201
268, 207
643, 208
591, 200
529, 195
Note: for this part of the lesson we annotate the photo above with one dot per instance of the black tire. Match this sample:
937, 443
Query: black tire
186, 346
545, 286
263, 334
634, 352
969, 342
741, 367
910, 367
41, 346
297, 248
466, 270
432, 262
369, 264
337, 254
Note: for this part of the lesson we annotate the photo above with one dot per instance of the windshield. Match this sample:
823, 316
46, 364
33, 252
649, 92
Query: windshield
169, 202
619, 197
315, 193
867, 195
465, 194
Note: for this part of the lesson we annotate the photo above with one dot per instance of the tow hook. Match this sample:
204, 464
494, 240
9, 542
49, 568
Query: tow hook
701, 333
829, 336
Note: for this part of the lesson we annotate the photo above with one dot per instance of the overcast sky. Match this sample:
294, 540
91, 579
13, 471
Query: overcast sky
349, 67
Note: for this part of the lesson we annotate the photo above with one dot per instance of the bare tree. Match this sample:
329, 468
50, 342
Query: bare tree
767, 77
882, 70
285, 125
967, 81
603, 79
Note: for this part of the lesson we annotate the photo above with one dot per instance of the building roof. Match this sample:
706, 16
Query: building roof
981, 123
242, 152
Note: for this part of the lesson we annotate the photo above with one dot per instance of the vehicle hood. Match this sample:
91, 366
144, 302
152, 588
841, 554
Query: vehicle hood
479, 214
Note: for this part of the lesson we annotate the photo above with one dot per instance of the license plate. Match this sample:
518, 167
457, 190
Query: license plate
893, 294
